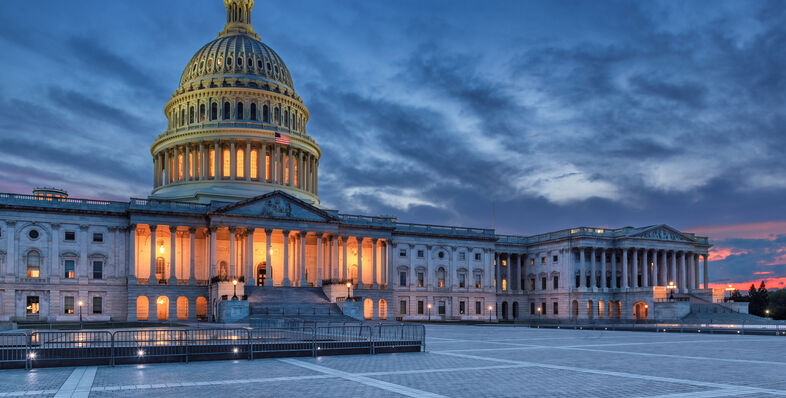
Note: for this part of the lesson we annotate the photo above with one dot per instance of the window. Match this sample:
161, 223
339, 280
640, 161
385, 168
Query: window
191, 114
462, 280
259, 63
286, 118
68, 305
531, 308
543, 308
212, 156
532, 284
214, 111
402, 278
33, 234
265, 114
239, 61
226, 110
69, 269
532, 261
462, 256
160, 265
253, 115
441, 254
33, 264
477, 281
555, 259
402, 307
441, 277
462, 307
441, 308
420, 307
98, 237
32, 305
420, 253
98, 269
402, 253
254, 164
229, 60
70, 236
240, 163
478, 308
543, 260
477, 256
555, 281
239, 109
227, 162
543, 283
98, 305
276, 116
421, 278
555, 310
202, 112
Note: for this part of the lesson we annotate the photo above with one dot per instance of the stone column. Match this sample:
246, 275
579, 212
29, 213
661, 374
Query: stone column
582, 265
374, 284
188, 167
673, 267
655, 269
268, 263
176, 171
216, 160
344, 274
167, 167
509, 266
706, 275
603, 283
303, 275
152, 280
247, 162
360, 262
54, 262
624, 268
688, 271
250, 266
497, 273
212, 231
191, 259
683, 281
261, 162
232, 161
232, 253
132, 250
593, 269
614, 269
202, 161
645, 267
286, 281
81, 271
696, 271
172, 277
320, 254
291, 179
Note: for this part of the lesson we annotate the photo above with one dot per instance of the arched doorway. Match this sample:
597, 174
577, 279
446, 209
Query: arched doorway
575, 309
590, 312
261, 274
505, 310
142, 308
182, 308
515, 310
368, 308
601, 309
353, 274
162, 308
383, 309
160, 268
201, 308
640, 311
223, 271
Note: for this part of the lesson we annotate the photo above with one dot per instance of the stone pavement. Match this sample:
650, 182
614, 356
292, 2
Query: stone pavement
462, 361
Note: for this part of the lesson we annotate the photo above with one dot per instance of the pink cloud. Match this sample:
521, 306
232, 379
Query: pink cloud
721, 253
761, 230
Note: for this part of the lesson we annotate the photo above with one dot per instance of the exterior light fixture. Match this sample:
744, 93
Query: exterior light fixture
349, 285
235, 350
234, 286
140, 353
31, 355
161, 249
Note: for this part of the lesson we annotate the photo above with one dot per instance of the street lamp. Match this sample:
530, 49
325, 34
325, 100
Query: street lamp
671, 286
80, 314
349, 285
731, 290
490, 307
234, 285
539, 312
429, 312
767, 313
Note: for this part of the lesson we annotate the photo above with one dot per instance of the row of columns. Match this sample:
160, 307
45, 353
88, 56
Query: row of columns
640, 268
276, 164
514, 264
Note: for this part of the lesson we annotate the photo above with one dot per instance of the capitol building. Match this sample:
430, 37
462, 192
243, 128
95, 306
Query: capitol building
234, 216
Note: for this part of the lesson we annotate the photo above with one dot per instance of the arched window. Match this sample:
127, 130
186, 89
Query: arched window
160, 268
226, 110
253, 115
180, 167
253, 164
202, 112
368, 308
201, 308
265, 114
182, 308
182, 117
383, 309
33, 263
214, 111
227, 163
191, 114
286, 118
239, 163
441, 277
162, 308
239, 109
212, 162
276, 116
142, 308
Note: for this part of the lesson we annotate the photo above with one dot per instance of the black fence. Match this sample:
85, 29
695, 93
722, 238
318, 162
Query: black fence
44, 348
722, 327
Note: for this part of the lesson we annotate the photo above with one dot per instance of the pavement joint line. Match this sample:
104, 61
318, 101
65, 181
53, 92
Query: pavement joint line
203, 383
440, 370
383, 385
741, 389
726, 392
85, 383
71, 383
652, 354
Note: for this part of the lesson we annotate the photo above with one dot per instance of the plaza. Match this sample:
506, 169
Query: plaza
461, 361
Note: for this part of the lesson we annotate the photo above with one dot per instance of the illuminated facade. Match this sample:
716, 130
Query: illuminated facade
235, 197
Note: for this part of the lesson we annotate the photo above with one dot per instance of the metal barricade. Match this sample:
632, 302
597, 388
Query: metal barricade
227, 343
138, 344
274, 340
92, 346
14, 348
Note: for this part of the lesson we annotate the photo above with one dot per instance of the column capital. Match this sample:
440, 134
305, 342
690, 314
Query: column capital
192, 230
268, 231
84, 227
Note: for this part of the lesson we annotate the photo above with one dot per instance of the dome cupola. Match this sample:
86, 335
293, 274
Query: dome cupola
236, 128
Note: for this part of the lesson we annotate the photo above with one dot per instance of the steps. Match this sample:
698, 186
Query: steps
305, 303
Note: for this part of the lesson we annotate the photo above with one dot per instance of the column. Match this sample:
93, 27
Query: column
172, 277
344, 274
696, 271
232, 161
191, 267
268, 264
132, 250
175, 176
216, 160
508, 277
582, 277
188, 166
232, 253
247, 162
683, 281
320, 254
360, 262
673, 268
167, 168
655, 269
635, 268
286, 281
523, 272
303, 275
614, 269
274, 164
497, 273
624, 284
593, 269
152, 280
261, 162
689, 271
374, 284
212, 231
202, 162
645, 267
706, 276
250, 266
603, 283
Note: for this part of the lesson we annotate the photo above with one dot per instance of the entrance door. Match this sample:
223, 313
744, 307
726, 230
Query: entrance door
32, 306
261, 274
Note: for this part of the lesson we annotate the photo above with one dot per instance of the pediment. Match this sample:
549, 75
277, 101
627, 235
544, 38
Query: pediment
276, 204
663, 232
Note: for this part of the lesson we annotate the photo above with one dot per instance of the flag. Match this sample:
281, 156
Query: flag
282, 139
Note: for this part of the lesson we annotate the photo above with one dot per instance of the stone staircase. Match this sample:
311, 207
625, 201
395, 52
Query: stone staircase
305, 303
704, 311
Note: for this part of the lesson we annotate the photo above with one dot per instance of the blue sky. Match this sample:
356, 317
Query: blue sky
562, 113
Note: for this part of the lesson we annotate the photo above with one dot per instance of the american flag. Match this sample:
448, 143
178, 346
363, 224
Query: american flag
282, 139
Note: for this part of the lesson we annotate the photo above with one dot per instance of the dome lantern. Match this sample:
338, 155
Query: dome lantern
238, 18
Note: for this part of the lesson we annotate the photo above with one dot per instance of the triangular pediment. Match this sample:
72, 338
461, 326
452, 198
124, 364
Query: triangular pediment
276, 204
662, 232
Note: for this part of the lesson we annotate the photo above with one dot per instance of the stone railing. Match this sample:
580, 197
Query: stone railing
34, 200
429, 229
367, 220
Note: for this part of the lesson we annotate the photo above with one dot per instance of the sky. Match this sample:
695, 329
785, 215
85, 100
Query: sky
554, 114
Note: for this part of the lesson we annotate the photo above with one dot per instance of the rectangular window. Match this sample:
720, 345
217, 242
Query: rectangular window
69, 269
543, 260
532, 284
477, 308
462, 280
531, 308
420, 279
441, 308
420, 307
555, 311
240, 159
98, 237
267, 167
254, 164
543, 283
403, 307
227, 163
532, 261
420, 253
462, 256
70, 236
98, 305
68, 304
212, 163
555, 258
402, 278
477, 256
543, 308
190, 164
556, 282
462, 307
32, 305
477, 281
402, 253
98, 269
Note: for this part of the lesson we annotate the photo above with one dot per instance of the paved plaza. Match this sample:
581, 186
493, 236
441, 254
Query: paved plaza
461, 361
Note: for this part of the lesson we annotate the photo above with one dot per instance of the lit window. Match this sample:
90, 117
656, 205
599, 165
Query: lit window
68, 304
267, 166
240, 158
420, 279
477, 281
462, 307
441, 277
202, 112
253, 161
286, 169
33, 264
69, 269
212, 162
227, 162
543, 260
190, 165
297, 183
180, 167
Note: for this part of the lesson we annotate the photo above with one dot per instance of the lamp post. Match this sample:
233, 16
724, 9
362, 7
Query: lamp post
671, 286
731, 290
234, 286
767, 313
490, 308
80, 314
539, 312
429, 312
349, 286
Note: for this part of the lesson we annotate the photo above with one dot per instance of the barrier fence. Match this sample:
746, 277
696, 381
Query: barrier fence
66, 348
668, 327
